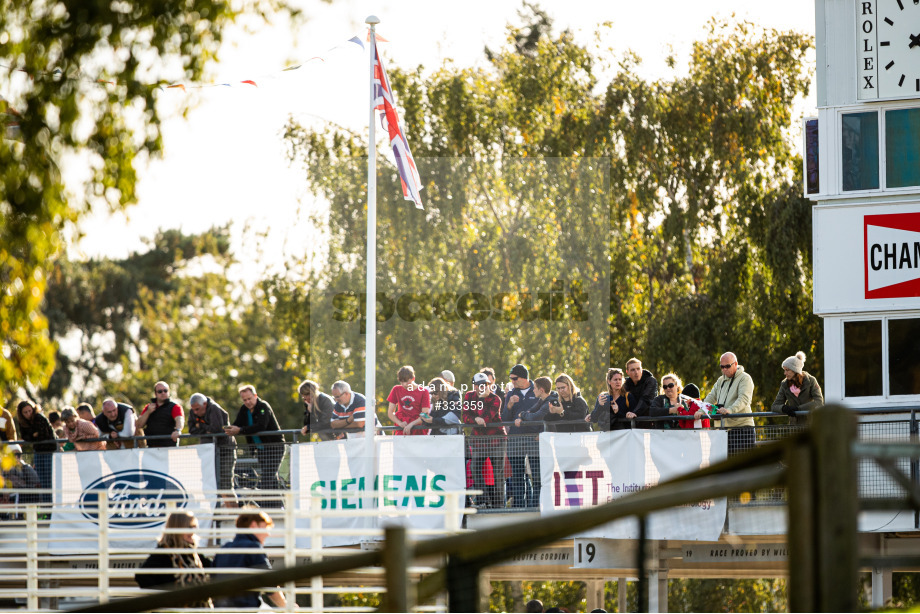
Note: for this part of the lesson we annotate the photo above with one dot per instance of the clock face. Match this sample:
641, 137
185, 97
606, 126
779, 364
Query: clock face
898, 38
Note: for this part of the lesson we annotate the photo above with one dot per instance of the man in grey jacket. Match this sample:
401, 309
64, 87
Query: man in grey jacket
208, 419
732, 393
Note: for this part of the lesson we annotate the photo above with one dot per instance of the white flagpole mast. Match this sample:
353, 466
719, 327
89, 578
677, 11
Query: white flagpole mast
370, 332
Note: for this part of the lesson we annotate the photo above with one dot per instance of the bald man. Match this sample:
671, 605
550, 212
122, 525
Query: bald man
117, 422
732, 393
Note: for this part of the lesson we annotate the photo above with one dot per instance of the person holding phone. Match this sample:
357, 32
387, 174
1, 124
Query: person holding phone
613, 409
566, 413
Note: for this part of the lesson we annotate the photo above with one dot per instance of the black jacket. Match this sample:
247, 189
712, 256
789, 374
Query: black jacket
36, 430
214, 420
260, 419
318, 415
527, 402
645, 391
614, 418
573, 411
107, 426
445, 415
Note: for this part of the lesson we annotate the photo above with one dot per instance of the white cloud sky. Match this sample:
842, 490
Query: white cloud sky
225, 161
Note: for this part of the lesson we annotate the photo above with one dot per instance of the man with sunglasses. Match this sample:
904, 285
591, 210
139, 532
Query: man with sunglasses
732, 393
161, 417
348, 411
523, 441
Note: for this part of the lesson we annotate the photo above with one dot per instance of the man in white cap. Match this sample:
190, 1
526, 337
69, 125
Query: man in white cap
448, 376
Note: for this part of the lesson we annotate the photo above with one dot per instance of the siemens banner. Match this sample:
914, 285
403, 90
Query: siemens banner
336, 477
139, 486
582, 470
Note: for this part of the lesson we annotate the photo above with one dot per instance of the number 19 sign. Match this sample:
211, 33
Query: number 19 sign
604, 553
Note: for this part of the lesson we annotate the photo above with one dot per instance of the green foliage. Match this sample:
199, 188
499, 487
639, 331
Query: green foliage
96, 303
905, 589
171, 313
510, 596
764, 595
83, 78
684, 595
695, 204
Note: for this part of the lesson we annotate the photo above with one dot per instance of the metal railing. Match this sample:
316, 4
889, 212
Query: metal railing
817, 467
43, 569
508, 478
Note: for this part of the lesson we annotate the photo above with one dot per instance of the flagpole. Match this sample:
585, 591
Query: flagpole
370, 332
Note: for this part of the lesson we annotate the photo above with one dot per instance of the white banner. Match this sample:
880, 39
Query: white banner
582, 470
325, 471
142, 486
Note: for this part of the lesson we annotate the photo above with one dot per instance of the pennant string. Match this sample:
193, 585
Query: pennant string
57, 72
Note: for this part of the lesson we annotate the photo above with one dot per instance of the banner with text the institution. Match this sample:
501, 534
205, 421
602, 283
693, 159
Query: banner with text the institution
582, 470
141, 485
337, 481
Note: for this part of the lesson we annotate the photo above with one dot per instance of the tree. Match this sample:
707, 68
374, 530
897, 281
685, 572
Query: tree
84, 81
172, 312
96, 305
677, 202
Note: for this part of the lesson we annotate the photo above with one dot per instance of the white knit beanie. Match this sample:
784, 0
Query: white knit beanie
795, 363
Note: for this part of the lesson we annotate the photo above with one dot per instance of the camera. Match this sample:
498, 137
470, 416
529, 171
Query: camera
554, 398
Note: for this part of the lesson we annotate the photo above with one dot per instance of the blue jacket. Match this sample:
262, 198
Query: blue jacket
257, 559
527, 401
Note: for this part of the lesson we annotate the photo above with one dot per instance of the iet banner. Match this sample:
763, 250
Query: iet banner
335, 478
141, 486
582, 470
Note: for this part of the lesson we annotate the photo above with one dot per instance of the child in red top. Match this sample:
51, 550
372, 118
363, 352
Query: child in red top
692, 406
407, 403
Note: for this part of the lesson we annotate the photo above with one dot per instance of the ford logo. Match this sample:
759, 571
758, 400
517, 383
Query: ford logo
138, 498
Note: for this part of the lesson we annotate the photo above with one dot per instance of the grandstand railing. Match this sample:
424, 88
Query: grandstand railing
817, 466
499, 493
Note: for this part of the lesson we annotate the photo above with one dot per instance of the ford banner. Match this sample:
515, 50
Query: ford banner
140, 486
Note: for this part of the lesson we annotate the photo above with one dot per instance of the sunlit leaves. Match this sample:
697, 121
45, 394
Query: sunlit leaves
82, 78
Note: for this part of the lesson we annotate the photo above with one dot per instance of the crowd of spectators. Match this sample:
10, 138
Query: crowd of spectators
501, 420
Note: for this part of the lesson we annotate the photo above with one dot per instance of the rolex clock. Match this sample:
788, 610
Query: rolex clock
887, 49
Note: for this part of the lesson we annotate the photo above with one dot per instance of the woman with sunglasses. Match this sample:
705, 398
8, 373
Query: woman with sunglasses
670, 403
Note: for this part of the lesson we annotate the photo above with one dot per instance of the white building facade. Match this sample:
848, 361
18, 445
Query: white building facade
862, 170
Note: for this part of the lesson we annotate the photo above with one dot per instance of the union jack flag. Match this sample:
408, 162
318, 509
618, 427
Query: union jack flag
389, 121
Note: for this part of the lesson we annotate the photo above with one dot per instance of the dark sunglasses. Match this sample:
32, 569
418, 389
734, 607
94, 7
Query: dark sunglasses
668, 386
160, 390
729, 366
